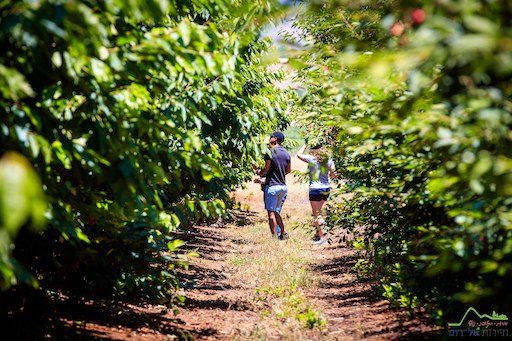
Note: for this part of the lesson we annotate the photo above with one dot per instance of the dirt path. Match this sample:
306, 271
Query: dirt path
352, 308
223, 300
217, 309
246, 286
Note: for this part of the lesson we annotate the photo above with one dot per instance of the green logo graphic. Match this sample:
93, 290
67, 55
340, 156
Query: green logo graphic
495, 317
479, 325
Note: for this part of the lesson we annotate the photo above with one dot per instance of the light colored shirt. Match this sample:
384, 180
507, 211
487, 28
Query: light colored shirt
318, 173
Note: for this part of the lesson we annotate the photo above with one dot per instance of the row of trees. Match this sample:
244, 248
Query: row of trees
121, 121
415, 99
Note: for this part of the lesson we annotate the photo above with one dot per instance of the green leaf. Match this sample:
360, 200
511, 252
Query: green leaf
480, 24
174, 245
21, 195
13, 85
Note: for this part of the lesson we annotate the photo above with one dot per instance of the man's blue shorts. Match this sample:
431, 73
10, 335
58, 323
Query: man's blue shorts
274, 196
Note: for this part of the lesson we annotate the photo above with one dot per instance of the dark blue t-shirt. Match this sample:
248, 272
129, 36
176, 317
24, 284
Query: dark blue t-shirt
279, 160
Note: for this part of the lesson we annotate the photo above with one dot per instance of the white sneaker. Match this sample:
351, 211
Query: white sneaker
320, 241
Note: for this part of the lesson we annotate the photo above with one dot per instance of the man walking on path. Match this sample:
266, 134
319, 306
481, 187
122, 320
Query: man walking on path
277, 165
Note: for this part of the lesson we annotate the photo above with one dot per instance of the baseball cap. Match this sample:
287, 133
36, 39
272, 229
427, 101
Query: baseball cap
278, 135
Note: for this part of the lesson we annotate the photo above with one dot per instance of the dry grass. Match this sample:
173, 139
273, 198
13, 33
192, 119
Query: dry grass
263, 261
275, 262
277, 272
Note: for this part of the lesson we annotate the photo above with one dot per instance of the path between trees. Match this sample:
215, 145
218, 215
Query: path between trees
246, 286
220, 306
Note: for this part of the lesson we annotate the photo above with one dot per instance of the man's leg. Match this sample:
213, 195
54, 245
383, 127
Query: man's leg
272, 222
279, 221
278, 210
281, 197
271, 203
274, 199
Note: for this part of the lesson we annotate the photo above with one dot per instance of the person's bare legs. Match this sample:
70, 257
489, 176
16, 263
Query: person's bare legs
275, 219
280, 222
316, 208
272, 221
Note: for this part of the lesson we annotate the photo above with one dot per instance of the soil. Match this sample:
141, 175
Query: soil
217, 308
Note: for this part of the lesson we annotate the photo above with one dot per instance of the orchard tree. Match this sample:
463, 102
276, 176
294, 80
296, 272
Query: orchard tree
122, 121
414, 98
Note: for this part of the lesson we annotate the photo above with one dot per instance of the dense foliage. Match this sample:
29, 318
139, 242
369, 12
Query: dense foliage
119, 122
415, 99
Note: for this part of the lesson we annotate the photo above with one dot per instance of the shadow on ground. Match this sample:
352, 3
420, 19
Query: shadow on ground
354, 307
63, 317
27, 314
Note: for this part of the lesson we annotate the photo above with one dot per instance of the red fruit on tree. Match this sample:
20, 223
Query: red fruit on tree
418, 16
397, 29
